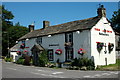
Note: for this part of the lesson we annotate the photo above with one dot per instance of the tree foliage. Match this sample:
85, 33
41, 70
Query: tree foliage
10, 32
116, 20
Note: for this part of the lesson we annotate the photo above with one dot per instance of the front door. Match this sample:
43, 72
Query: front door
35, 58
69, 54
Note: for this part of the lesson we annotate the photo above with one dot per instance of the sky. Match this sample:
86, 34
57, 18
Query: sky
27, 13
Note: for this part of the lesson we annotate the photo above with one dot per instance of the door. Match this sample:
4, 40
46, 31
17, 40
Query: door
69, 54
35, 58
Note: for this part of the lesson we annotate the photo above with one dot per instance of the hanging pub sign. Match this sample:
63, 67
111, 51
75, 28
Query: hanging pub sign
110, 47
58, 51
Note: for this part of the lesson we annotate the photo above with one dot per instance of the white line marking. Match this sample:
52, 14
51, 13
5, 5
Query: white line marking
57, 73
106, 74
12, 68
43, 70
86, 76
98, 75
47, 75
114, 72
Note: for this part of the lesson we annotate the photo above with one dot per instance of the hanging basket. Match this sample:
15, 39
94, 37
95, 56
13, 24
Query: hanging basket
18, 52
22, 46
99, 46
58, 51
81, 51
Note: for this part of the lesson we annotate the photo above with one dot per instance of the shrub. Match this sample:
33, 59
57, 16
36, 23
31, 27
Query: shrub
75, 62
83, 62
7, 59
43, 59
20, 60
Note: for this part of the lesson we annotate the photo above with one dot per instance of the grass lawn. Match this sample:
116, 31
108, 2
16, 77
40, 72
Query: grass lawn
114, 67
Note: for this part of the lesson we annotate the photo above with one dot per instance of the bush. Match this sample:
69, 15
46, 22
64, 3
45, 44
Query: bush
20, 60
83, 62
7, 59
75, 62
43, 59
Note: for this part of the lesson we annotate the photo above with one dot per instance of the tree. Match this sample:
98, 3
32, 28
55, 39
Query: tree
15, 32
116, 20
10, 32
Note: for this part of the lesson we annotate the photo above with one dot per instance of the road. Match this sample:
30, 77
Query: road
10, 70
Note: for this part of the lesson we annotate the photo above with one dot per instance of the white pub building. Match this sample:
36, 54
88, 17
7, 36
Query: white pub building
93, 38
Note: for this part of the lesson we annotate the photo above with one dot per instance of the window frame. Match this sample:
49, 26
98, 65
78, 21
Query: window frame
50, 58
39, 40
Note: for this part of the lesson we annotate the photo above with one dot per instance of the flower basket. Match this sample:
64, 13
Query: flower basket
18, 52
22, 46
99, 46
81, 51
58, 51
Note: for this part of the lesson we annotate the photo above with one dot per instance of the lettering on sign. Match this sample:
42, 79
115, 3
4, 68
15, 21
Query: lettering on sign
53, 44
103, 34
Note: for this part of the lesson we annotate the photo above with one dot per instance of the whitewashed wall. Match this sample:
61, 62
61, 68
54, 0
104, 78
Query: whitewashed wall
55, 39
30, 43
95, 37
81, 40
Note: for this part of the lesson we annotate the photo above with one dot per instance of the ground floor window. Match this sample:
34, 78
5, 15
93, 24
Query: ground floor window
50, 55
69, 54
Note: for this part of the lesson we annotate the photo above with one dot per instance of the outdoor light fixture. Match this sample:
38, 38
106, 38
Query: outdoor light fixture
16, 41
49, 35
27, 39
78, 32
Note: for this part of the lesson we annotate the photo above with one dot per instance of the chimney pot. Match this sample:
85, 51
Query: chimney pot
31, 27
101, 11
46, 24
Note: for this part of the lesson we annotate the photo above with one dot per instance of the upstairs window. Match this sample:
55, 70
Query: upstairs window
39, 40
69, 37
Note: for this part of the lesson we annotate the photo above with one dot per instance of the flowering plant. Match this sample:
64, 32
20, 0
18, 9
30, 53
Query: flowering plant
22, 46
110, 47
68, 44
18, 52
99, 46
58, 51
81, 51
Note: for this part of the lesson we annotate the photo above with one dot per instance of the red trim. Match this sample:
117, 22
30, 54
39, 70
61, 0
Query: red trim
97, 29
98, 42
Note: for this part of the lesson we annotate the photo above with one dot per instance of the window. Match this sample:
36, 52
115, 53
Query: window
69, 54
23, 42
50, 55
68, 37
39, 40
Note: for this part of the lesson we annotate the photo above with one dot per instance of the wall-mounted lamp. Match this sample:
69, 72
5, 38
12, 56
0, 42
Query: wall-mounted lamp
27, 39
16, 41
49, 35
78, 32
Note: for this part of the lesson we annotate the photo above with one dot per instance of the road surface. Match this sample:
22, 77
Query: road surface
10, 70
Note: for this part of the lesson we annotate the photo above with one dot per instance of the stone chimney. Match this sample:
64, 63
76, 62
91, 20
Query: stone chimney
46, 24
31, 27
101, 11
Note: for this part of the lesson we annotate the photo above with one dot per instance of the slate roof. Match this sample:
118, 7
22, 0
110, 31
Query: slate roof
62, 28
15, 47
